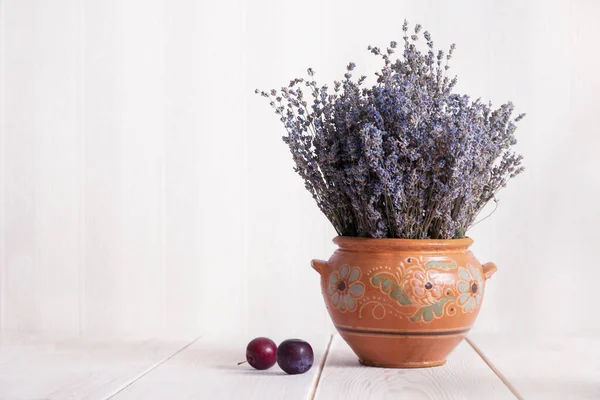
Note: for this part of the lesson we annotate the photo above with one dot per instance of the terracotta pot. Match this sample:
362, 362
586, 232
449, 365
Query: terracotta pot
402, 303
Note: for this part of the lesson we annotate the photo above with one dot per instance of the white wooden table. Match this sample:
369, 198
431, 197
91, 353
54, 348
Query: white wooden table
484, 367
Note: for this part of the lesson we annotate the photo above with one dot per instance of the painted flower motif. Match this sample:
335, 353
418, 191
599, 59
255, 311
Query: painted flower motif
422, 286
469, 288
345, 289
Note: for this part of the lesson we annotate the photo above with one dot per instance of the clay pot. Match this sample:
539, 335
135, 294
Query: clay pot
403, 303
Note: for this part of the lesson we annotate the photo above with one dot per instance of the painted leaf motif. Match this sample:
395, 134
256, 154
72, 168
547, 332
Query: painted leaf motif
427, 313
391, 288
377, 279
438, 308
440, 264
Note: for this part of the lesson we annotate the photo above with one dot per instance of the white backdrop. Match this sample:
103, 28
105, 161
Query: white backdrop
145, 190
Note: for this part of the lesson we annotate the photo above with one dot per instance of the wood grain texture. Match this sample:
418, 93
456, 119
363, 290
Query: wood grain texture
142, 222
208, 370
56, 370
59, 211
545, 368
283, 229
102, 182
465, 376
183, 176
20, 263
2, 172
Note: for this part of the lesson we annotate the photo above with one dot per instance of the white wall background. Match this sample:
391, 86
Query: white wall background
145, 191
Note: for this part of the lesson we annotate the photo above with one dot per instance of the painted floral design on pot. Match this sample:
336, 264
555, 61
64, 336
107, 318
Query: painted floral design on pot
345, 289
400, 302
470, 288
418, 287
423, 286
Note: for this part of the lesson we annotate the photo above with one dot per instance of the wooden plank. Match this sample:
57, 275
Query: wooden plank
21, 272
102, 288
42, 207
57, 105
465, 376
42, 369
274, 197
183, 176
2, 168
545, 367
209, 370
143, 266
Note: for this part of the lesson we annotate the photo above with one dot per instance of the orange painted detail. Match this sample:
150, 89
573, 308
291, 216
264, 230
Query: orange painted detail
403, 302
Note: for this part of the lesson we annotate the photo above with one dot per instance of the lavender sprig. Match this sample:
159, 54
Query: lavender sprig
404, 158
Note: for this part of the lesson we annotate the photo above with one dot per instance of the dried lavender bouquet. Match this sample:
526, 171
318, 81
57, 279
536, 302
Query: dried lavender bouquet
405, 158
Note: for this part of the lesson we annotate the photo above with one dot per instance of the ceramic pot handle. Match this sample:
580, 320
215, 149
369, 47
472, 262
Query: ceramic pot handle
320, 266
489, 269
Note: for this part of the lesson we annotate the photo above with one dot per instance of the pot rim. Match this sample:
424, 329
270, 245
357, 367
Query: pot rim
361, 243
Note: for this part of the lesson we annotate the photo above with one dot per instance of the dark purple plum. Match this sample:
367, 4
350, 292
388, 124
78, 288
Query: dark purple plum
261, 353
295, 356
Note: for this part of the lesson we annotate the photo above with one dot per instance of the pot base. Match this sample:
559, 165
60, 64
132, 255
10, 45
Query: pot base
402, 349
422, 364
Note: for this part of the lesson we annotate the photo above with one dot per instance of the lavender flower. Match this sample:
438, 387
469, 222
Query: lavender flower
405, 158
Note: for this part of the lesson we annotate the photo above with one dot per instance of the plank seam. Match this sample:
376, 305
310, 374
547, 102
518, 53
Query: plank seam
148, 370
494, 369
3, 258
317, 380
81, 234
